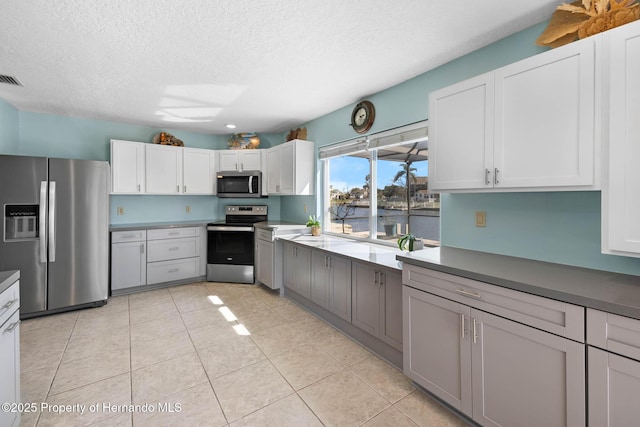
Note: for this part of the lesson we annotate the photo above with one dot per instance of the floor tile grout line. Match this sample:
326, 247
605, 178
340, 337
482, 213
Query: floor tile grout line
226, 418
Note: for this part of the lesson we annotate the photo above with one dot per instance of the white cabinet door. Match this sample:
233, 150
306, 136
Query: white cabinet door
128, 265
127, 167
621, 195
287, 169
239, 160
10, 369
529, 125
544, 119
199, 169
250, 160
227, 160
523, 376
273, 171
163, 169
461, 135
290, 169
614, 389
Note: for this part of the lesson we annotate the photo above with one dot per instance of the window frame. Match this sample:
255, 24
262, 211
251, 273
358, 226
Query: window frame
370, 143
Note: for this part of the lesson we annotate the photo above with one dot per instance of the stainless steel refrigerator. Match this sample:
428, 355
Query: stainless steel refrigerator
55, 231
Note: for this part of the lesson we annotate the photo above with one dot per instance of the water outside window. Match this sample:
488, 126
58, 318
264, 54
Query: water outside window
403, 202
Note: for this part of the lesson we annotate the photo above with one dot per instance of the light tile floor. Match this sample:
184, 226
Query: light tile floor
210, 354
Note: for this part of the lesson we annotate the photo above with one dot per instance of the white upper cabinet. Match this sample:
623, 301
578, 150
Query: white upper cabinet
199, 169
127, 167
290, 168
621, 192
239, 160
164, 169
461, 134
530, 125
544, 119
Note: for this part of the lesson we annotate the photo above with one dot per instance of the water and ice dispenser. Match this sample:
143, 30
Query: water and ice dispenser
20, 222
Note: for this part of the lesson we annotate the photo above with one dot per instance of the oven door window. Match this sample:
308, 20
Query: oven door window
230, 247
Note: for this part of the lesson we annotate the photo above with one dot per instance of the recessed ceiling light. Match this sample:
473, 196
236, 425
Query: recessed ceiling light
230, 126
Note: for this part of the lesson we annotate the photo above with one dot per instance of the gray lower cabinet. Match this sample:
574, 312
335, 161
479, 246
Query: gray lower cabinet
376, 302
494, 370
10, 354
296, 266
614, 369
331, 283
128, 259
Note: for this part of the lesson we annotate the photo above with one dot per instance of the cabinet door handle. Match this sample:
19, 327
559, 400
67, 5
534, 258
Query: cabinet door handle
174, 270
237, 167
475, 331
495, 176
142, 248
177, 188
462, 331
175, 248
469, 293
487, 174
11, 327
381, 281
9, 304
129, 236
138, 188
184, 189
375, 278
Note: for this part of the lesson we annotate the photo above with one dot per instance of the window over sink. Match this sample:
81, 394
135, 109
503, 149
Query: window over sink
376, 187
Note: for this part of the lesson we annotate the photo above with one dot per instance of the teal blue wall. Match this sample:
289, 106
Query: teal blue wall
562, 227
9, 134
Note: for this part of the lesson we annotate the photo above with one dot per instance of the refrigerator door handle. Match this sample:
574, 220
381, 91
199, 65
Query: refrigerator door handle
42, 221
52, 221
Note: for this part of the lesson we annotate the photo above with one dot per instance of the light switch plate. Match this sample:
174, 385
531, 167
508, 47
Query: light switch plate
481, 219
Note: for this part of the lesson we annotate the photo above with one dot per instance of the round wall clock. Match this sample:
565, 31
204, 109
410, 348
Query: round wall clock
363, 116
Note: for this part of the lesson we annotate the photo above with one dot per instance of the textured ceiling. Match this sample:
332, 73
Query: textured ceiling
266, 66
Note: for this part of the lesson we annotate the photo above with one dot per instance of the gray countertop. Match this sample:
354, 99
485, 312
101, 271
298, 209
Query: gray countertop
281, 226
164, 224
363, 251
611, 292
8, 278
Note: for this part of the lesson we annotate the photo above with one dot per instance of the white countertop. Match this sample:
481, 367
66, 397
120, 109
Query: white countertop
362, 251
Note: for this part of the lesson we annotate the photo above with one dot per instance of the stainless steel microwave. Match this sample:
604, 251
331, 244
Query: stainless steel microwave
239, 184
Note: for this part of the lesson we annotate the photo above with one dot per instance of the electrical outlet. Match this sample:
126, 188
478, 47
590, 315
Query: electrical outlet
120, 210
481, 219
305, 208
188, 209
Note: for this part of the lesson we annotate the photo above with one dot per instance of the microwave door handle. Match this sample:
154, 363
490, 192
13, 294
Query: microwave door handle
43, 221
250, 184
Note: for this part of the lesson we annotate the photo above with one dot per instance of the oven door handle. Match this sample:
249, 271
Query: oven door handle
228, 228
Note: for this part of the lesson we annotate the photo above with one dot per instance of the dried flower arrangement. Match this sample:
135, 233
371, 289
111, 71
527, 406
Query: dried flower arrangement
585, 18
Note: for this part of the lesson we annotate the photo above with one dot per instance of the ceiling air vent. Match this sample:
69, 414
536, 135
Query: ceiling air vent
9, 80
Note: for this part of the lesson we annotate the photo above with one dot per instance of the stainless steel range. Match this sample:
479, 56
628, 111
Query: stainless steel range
230, 244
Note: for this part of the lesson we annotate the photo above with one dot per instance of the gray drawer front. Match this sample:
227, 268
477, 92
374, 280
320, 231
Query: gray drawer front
617, 334
168, 271
172, 233
167, 249
557, 317
128, 236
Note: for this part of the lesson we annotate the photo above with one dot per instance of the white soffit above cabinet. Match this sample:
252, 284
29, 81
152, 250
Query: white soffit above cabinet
266, 66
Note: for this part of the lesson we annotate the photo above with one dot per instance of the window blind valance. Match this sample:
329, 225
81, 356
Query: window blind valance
414, 132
